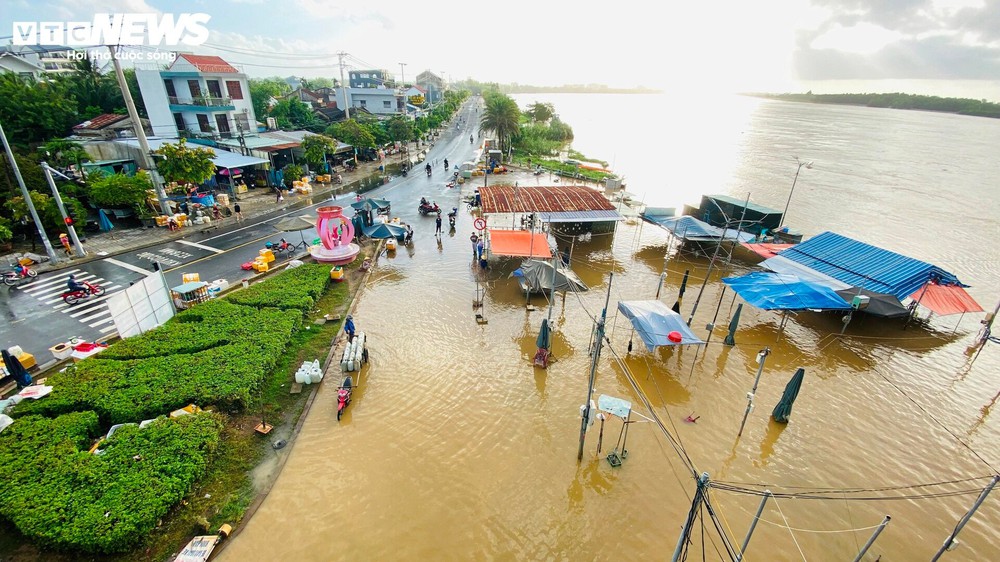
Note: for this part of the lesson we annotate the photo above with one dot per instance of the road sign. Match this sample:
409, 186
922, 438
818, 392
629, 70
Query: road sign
480, 224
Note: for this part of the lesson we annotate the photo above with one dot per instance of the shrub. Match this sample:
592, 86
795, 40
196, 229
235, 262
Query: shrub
62, 497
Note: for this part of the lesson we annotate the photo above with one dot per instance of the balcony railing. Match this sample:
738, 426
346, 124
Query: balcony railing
201, 101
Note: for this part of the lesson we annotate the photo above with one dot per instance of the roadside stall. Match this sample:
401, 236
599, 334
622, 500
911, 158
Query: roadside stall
189, 294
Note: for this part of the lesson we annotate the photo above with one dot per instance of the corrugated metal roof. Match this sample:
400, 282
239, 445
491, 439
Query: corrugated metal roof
863, 265
740, 203
581, 216
687, 227
545, 199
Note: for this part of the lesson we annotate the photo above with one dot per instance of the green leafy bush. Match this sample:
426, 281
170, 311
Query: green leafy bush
63, 497
299, 289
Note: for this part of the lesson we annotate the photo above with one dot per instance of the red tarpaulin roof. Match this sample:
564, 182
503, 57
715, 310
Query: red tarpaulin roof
765, 250
946, 299
519, 243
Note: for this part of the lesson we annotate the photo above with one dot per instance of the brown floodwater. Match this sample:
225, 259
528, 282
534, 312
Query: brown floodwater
456, 448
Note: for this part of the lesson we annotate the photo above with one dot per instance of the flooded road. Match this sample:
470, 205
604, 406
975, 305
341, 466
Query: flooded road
456, 448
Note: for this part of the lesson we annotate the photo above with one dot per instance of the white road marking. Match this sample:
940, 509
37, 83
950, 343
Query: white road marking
202, 246
88, 278
128, 266
48, 281
103, 312
108, 329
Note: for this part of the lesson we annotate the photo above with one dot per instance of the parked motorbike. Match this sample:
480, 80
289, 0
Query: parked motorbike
344, 395
73, 297
19, 273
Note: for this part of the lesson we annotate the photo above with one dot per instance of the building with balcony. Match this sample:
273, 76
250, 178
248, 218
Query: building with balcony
367, 78
198, 97
37, 61
432, 84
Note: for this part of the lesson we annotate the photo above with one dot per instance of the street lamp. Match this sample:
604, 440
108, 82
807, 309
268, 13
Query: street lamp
808, 165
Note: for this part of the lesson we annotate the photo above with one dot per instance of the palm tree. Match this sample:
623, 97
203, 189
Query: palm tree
502, 117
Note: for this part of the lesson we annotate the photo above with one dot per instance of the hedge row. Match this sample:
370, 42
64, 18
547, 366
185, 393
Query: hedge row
216, 353
61, 496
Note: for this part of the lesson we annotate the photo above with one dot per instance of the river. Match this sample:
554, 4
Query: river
456, 448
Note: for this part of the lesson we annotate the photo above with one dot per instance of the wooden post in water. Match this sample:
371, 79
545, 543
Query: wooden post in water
760, 368
871, 540
950, 543
753, 525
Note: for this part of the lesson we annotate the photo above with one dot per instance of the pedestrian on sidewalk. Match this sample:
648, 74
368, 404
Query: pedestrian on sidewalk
278, 198
349, 328
64, 240
437, 225
237, 212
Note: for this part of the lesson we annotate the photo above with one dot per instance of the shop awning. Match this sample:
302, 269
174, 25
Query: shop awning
519, 243
231, 160
773, 291
655, 322
946, 299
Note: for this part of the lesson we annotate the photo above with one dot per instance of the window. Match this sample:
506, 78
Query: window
363, 103
195, 88
234, 89
179, 121
169, 85
222, 123
214, 89
242, 122
203, 124
387, 104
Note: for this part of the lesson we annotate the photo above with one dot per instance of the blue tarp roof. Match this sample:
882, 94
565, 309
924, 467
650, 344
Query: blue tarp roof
690, 228
774, 291
653, 321
857, 264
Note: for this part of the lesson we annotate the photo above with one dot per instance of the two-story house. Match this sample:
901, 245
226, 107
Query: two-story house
198, 96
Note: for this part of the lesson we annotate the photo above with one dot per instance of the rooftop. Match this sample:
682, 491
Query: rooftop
544, 199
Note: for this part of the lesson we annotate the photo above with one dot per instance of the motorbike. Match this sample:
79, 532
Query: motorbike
445, 164
73, 297
15, 275
426, 209
470, 139
344, 395
403, 171
281, 247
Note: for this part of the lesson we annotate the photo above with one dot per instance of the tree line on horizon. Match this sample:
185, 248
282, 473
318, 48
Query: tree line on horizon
897, 100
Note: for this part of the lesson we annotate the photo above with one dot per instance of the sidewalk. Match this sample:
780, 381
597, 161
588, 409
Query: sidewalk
254, 203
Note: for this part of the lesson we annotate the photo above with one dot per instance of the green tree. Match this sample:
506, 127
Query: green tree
183, 164
19, 209
5, 234
34, 111
120, 190
95, 93
500, 117
292, 173
263, 89
316, 83
400, 129
52, 217
292, 113
540, 112
62, 152
317, 147
353, 133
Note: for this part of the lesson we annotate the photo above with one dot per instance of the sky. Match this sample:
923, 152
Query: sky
931, 47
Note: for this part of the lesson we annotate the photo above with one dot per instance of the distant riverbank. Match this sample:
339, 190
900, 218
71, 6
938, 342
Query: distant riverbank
961, 106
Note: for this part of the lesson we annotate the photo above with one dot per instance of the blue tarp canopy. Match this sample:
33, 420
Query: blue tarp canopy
774, 291
690, 228
653, 320
856, 264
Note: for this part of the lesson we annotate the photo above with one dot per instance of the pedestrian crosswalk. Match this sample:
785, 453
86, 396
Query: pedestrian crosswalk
93, 311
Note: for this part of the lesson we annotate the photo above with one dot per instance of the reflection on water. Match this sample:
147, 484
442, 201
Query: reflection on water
456, 447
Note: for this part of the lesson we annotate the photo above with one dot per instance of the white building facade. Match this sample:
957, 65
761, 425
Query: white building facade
198, 97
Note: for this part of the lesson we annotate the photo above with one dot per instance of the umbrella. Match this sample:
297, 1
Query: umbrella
16, 370
684, 283
544, 336
103, 221
730, 339
535, 276
370, 204
879, 304
384, 230
784, 407
293, 224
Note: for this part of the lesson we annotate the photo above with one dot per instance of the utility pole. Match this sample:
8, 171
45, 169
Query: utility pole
140, 134
699, 496
708, 274
347, 103
402, 85
598, 343
27, 198
80, 252
950, 543
761, 356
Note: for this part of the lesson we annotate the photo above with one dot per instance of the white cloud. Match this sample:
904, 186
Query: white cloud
862, 39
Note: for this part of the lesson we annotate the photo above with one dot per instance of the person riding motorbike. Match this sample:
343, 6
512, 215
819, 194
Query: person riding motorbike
73, 285
423, 202
428, 168
470, 139
446, 164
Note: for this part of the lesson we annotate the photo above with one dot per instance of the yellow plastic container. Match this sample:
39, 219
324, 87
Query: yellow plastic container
337, 273
190, 278
27, 360
266, 255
